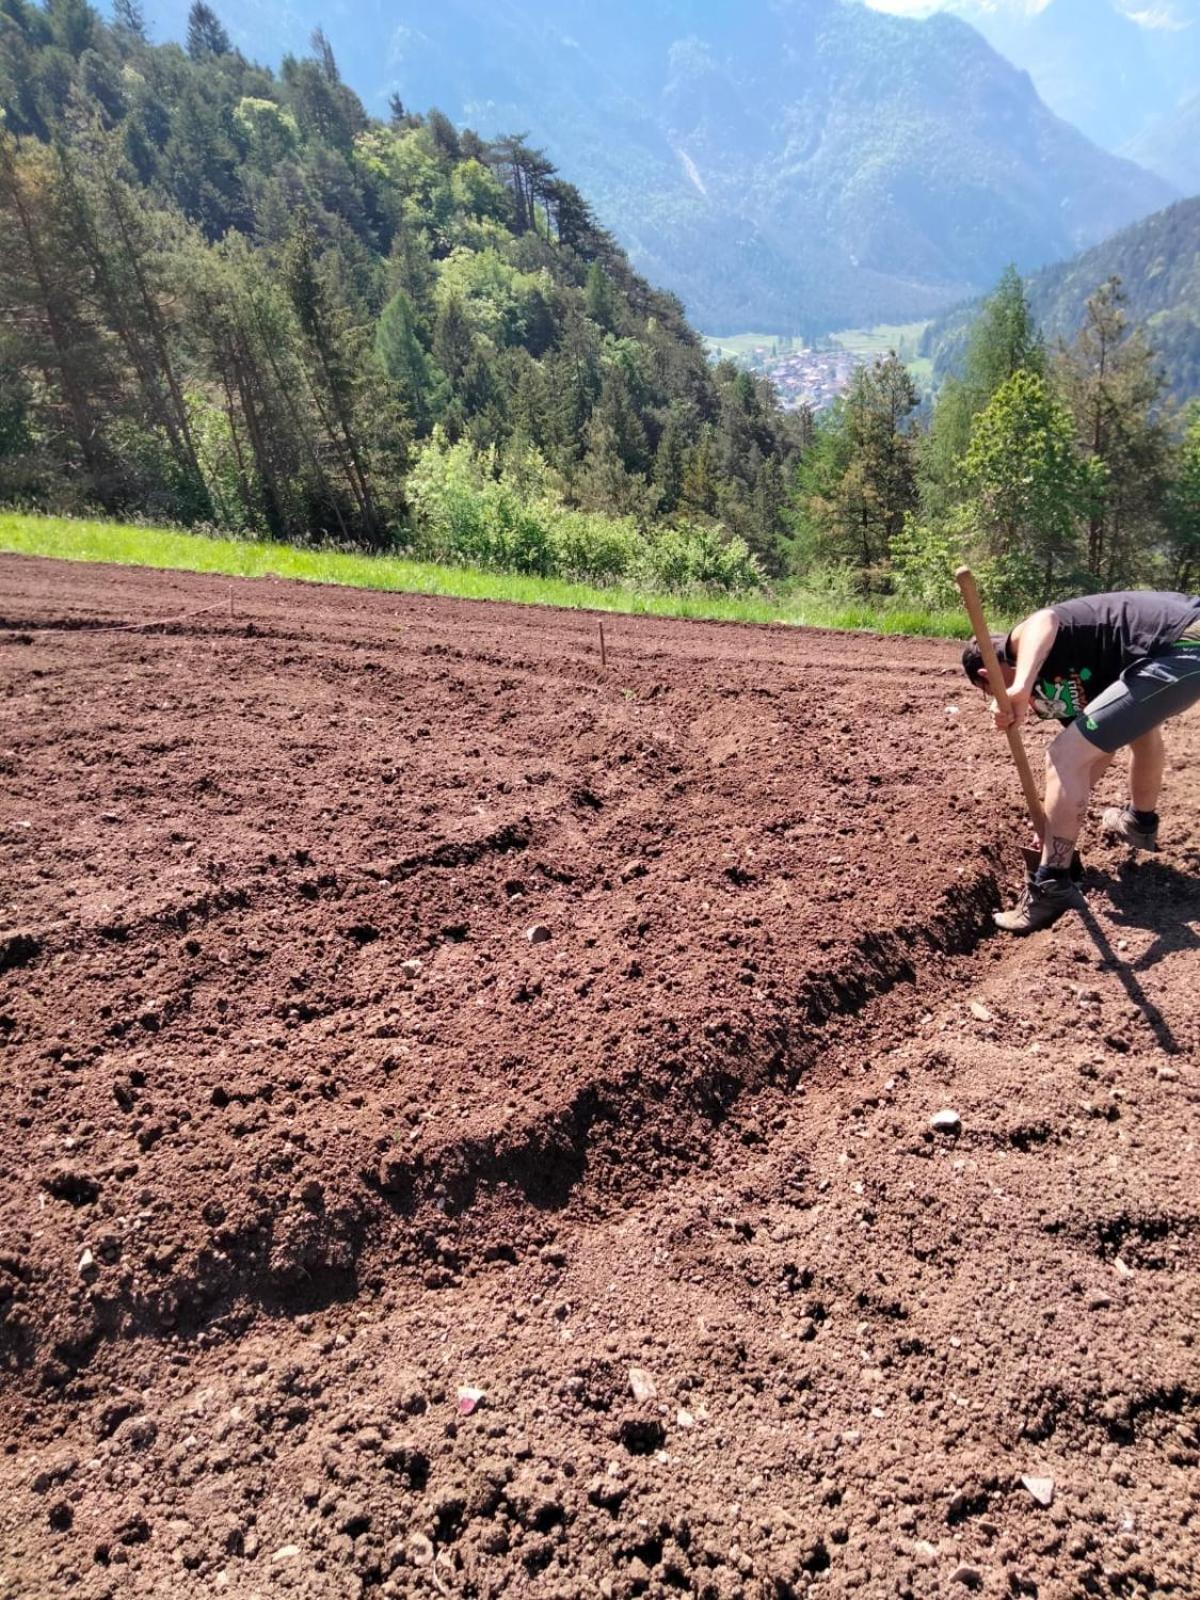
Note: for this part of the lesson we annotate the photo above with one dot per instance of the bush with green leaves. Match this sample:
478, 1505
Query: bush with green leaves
471, 510
592, 548
699, 557
464, 513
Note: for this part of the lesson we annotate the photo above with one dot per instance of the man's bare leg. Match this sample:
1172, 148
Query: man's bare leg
1137, 823
1146, 770
1073, 768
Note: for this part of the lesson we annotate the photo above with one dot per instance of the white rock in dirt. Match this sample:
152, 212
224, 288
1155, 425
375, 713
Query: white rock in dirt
420, 1550
684, 1419
1122, 1270
411, 968
1042, 1489
286, 1552
469, 1400
980, 1012
87, 1263
538, 934
946, 1121
642, 1384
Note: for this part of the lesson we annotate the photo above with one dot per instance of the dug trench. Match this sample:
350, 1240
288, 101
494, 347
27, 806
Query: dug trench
399, 1002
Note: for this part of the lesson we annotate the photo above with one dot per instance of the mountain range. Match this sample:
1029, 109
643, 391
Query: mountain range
1119, 70
789, 165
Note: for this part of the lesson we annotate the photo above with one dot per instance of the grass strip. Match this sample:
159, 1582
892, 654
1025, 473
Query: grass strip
123, 544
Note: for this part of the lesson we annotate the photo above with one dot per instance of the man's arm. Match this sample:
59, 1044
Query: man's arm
1034, 639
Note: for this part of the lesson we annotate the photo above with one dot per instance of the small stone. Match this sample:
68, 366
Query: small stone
411, 968
946, 1121
924, 1552
538, 934
970, 1577
469, 1400
1121, 1268
1042, 1489
684, 1419
420, 1550
87, 1263
286, 1552
1166, 1074
642, 1384
980, 1012
1099, 1301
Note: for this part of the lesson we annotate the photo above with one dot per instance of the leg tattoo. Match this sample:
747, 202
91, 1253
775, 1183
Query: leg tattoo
1060, 852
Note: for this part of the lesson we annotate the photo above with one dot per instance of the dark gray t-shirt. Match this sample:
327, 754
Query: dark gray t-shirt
1099, 635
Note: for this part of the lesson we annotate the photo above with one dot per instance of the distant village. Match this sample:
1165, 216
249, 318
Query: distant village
804, 377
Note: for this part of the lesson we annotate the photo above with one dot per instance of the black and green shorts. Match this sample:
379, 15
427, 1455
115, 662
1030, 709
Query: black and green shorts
1144, 696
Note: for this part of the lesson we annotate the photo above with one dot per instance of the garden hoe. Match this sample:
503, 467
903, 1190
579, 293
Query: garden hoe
965, 580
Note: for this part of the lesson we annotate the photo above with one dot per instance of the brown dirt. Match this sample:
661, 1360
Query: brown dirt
304, 1134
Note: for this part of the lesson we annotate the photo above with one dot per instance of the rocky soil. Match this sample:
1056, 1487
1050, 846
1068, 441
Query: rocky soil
473, 1117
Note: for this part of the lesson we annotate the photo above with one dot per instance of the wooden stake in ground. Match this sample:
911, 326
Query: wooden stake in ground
603, 652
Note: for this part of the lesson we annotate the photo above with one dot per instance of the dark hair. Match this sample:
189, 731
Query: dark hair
972, 657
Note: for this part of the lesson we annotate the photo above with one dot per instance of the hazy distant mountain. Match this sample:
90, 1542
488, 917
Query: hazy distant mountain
1171, 147
1158, 261
781, 164
1111, 67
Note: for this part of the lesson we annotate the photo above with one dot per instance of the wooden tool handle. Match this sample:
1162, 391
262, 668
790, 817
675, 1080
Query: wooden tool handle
965, 579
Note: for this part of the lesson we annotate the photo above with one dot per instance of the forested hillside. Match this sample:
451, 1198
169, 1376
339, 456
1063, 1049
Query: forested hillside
1052, 468
1158, 263
792, 166
232, 297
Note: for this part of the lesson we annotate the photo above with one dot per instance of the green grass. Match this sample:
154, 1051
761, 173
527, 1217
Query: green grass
126, 545
867, 343
738, 346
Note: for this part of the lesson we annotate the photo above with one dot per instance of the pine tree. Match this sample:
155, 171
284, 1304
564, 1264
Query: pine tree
405, 359
1183, 508
44, 299
124, 249
1025, 479
599, 298
129, 15
205, 34
1112, 387
327, 334
858, 484
1003, 341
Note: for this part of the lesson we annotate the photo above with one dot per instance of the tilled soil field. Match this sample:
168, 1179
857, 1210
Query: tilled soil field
468, 1117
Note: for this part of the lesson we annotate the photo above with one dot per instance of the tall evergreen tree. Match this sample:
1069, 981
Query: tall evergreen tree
1025, 478
1110, 382
205, 34
1003, 341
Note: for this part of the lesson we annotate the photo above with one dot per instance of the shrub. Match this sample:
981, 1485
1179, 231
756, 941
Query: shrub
592, 548
698, 556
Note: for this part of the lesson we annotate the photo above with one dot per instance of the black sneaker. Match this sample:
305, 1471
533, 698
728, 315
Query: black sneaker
1040, 905
1119, 822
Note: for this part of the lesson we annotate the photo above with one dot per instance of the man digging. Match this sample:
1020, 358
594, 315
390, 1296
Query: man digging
1113, 668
